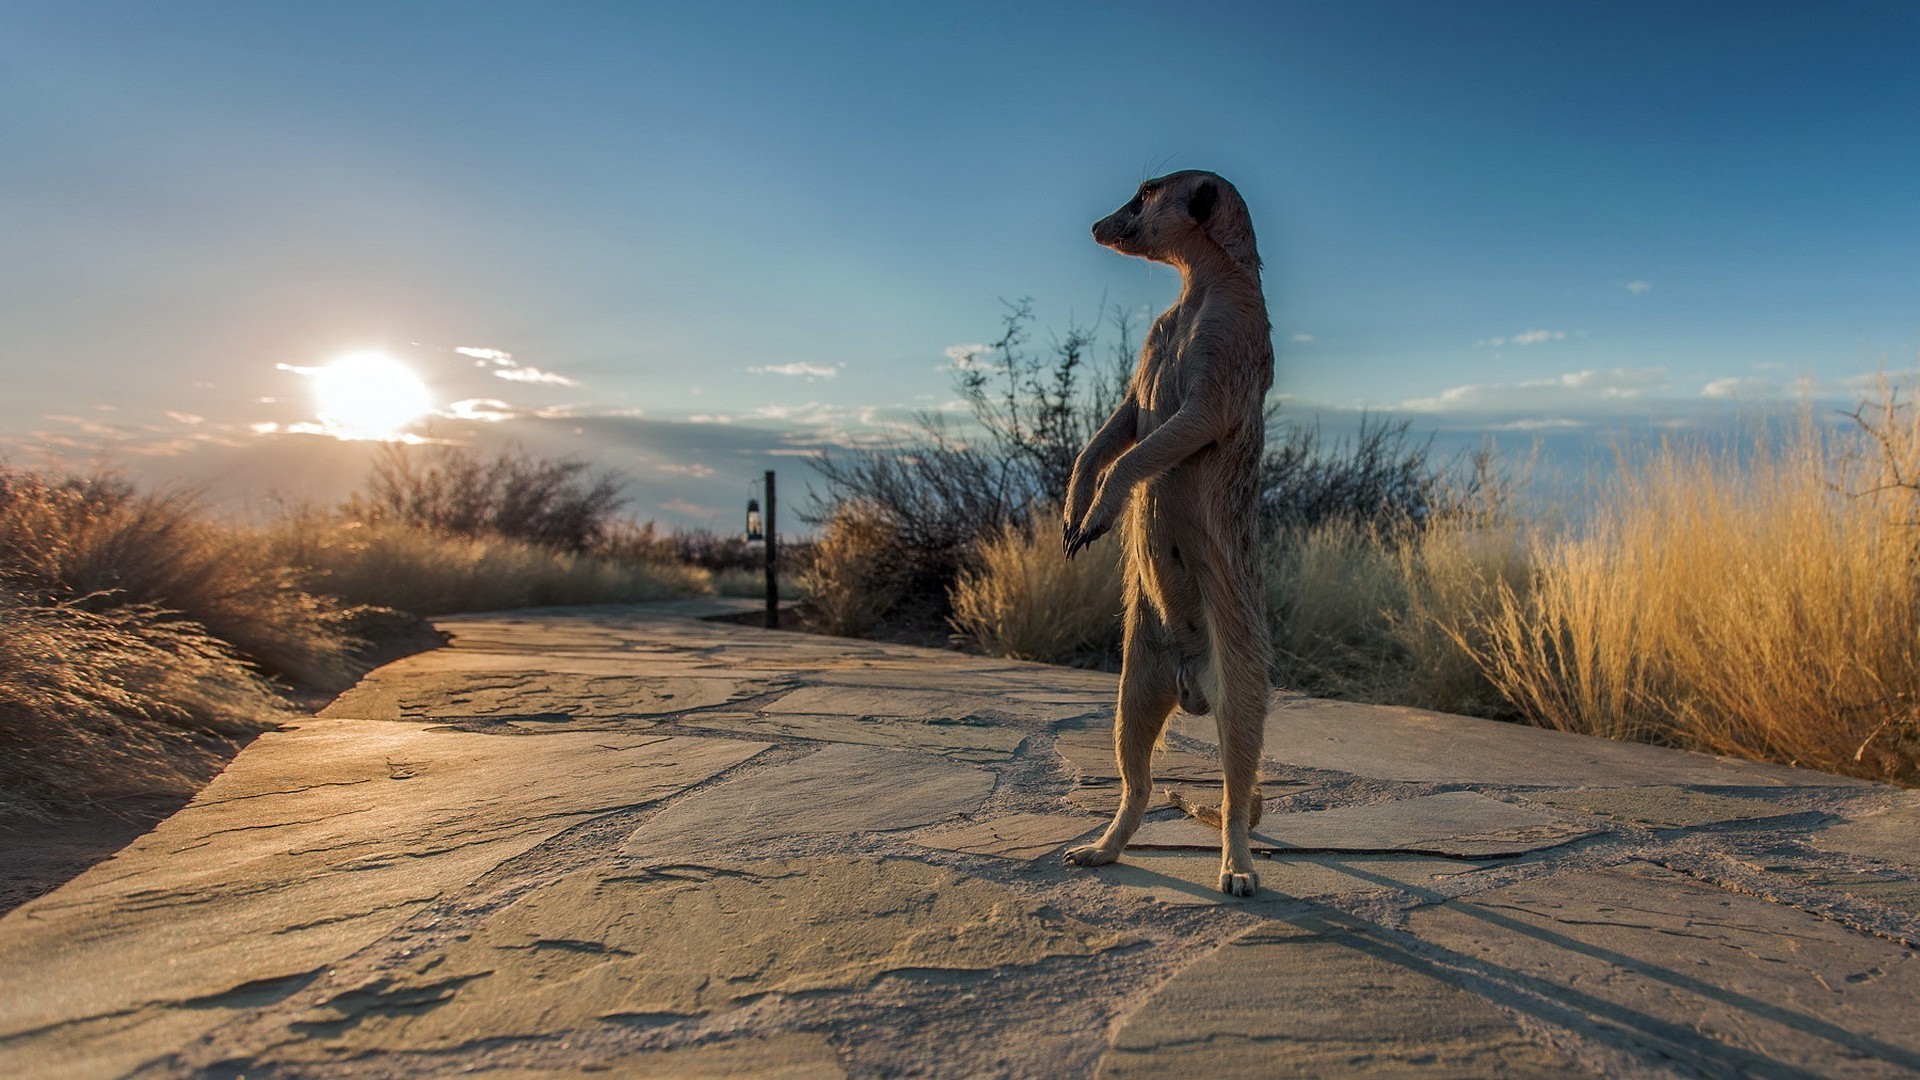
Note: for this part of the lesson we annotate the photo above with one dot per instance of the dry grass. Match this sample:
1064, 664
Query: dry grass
430, 573
742, 582
1371, 615
123, 700
1025, 601
857, 572
1761, 603
1743, 604
97, 544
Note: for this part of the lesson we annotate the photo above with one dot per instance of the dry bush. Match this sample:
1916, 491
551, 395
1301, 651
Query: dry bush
98, 544
125, 700
857, 571
553, 502
1028, 602
1742, 604
429, 573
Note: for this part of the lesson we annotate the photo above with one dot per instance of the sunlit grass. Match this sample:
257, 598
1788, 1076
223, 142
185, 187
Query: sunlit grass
431, 573
1759, 601
1026, 601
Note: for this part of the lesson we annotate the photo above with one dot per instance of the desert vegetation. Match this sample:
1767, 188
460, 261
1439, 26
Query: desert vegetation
144, 637
1760, 600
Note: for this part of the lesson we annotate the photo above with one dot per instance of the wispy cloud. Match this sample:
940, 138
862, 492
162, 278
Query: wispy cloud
798, 369
533, 375
483, 356
1639, 288
693, 469
1740, 387
1303, 338
504, 366
965, 356
1523, 338
485, 410
1537, 395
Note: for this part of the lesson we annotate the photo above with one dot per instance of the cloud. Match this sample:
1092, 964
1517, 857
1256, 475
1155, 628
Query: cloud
691, 469
484, 410
1740, 387
188, 419
709, 418
500, 357
1524, 337
798, 368
1639, 288
963, 357
1303, 338
533, 375
1538, 395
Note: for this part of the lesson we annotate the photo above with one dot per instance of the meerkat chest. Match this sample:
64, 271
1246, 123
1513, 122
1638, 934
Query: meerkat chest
1161, 385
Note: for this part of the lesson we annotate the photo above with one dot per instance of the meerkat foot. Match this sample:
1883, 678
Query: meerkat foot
1236, 884
1091, 855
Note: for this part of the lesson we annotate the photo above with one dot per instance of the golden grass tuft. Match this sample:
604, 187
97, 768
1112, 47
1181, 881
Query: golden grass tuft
1026, 601
431, 573
124, 700
856, 573
1762, 604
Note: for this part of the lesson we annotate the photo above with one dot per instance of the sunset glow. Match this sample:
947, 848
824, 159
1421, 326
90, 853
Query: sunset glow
368, 395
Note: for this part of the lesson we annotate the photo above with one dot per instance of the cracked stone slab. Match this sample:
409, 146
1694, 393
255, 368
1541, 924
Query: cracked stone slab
618, 947
838, 790
317, 841
1391, 742
1104, 797
1456, 824
531, 696
918, 704
1659, 807
1192, 879
791, 1055
1325, 996
1713, 981
967, 739
1890, 835
1090, 751
1011, 836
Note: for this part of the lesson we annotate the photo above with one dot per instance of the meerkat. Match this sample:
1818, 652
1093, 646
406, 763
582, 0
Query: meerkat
1177, 468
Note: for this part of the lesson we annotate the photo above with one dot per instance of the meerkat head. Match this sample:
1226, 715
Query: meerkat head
1179, 218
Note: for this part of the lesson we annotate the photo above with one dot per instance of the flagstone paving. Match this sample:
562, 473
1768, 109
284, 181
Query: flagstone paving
625, 842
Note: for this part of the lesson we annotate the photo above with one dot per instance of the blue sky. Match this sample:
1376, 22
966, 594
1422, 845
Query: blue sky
776, 219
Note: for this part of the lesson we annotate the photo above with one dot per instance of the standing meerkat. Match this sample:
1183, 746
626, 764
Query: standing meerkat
1177, 467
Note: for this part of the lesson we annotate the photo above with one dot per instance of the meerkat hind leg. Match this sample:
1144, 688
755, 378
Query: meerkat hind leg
1148, 693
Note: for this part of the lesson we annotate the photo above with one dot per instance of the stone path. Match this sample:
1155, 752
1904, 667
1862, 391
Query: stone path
623, 842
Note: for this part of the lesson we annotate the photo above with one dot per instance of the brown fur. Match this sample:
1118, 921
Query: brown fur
1177, 468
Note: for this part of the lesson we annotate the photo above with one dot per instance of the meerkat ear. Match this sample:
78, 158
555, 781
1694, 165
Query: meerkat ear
1200, 203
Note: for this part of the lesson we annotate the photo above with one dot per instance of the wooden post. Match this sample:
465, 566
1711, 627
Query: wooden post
773, 573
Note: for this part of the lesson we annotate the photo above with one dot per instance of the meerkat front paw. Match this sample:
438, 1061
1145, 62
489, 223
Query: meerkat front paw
1091, 855
1098, 522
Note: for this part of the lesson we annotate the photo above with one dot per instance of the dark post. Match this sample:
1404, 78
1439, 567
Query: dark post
773, 579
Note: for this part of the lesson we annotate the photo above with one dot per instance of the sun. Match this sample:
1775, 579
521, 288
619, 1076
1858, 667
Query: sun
369, 395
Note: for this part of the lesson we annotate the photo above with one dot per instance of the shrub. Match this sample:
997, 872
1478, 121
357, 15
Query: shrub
454, 490
858, 572
1027, 602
